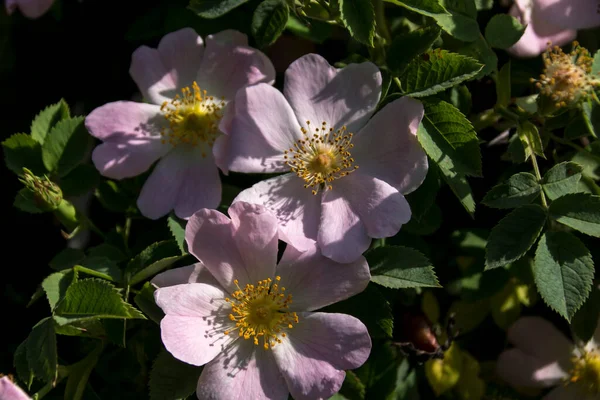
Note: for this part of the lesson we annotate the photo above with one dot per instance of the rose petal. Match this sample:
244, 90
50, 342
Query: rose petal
316, 281
263, 128
30, 8
196, 318
295, 207
195, 273
319, 92
381, 208
227, 67
244, 372
131, 135
388, 149
342, 235
200, 186
539, 338
317, 350
523, 370
10, 391
568, 14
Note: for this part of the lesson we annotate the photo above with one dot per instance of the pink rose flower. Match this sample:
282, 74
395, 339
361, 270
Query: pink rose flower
346, 173
543, 357
10, 391
251, 321
190, 85
30, 8
555, 21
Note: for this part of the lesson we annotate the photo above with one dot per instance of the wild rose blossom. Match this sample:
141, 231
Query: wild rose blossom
250, 321
544, 357
191, 86
10, 391
555, 21
346, 174
30, 8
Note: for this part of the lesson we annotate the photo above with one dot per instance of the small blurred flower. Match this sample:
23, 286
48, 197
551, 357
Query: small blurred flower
544, 357
10, 391
250, 321
555, 21
30, 8
190, 86
320, 132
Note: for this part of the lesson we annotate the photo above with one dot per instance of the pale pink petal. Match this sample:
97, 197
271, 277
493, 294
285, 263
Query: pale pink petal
228, 36
30, 8
537, 34
523, 370
195, 320
569, 14
295, 207
318, 350
200, 185
151, 76
195, 273
388, 149
228, 67
342, 235
539, 338
245, 371
320, 93
316, 281
10, 391
131, 135
381, 208
264, 126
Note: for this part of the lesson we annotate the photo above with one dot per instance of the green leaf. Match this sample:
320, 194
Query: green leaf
520, 189
352, 387
590, 113
109, 251
171, 379
152, 260
514, 235
425, 7
461, 189
425, 224
399, 267
66, 259
503, 85
315, 31
422, 199
79, 374
359, 17
503, 31
563, 271
589, 160
371, 307
94, 298
562, 179
596, 64
177, 228
436, 71
482, 52
25, 201
66, 146
580, 211
268, 21
47, 119
112, 196
449, 139
80, 180
530, 139
21, 365
484, 4
103, 265
41, 350
214, 8
20, 150
461, 21
585, 321
145, 301
406, 47
56, 285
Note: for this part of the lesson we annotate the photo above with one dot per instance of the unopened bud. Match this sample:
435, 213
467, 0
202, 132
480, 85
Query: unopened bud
46, 194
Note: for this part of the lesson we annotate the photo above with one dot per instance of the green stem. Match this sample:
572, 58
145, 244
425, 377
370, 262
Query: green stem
397, 82
574, 146
485, 119
126, 232
380, 21
536, 169
506, 113
81, 268
67, 215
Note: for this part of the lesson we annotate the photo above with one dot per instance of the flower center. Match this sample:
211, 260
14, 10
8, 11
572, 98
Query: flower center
586, 373
567, 77
259, 312
321, 156
193, 118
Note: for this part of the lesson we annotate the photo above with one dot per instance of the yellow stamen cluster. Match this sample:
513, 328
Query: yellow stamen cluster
193, 118
567, 77
586, 373
321, 156
259, 312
